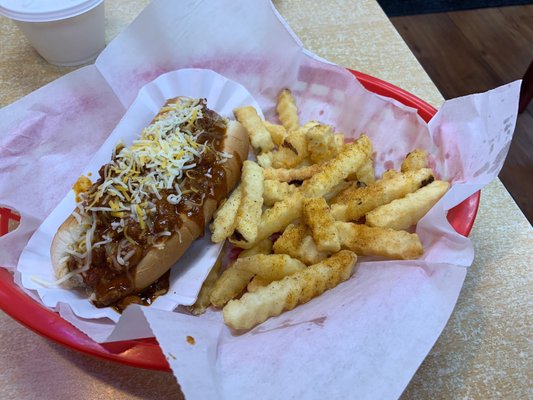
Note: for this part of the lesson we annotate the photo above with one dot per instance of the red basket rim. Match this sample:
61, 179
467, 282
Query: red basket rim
145, 353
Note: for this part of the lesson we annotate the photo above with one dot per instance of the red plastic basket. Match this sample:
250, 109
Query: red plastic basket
7, 218
145, 353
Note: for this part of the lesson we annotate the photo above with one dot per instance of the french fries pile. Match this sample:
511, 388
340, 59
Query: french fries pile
304, 211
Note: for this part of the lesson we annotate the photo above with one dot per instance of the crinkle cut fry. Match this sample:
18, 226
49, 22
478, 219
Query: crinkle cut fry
254, 308
296, 241
414, 160
292, 174
355, 202
229, 285
271, 267
366, 173
322, 144
277, 132
224, 221
405, 212
250, 208
275, 191
233, 281
290, 154
259, 136
363, 240
287, 110
348, 161
203, 301
276, 218
333, 173
317, 216
256, 283
381, 242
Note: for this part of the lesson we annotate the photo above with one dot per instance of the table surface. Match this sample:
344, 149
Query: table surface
483, 352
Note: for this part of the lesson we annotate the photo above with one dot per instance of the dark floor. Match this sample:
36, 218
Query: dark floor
472, 51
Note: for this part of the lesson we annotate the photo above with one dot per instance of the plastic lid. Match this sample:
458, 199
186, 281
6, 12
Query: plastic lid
45, 10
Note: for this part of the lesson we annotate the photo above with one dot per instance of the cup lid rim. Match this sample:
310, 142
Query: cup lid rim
45, 10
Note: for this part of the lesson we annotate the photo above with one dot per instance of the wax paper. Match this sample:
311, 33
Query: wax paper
363, 339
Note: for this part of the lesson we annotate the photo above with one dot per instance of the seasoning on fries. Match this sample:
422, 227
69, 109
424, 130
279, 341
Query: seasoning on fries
225, 217
277, 132
271, 300
275, 191
232, 282
407, 211
259, 136
297, 242
417, 159
287, 111
250, 208
317, 216
354, 202
306, 210
271, 267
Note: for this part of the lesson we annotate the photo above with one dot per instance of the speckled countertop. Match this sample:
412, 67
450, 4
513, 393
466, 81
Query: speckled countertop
484, 351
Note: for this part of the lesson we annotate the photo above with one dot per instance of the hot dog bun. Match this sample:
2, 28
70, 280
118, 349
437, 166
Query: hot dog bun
157, 262
157, 259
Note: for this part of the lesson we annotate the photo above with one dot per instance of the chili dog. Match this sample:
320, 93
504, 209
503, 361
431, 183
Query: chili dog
149, 203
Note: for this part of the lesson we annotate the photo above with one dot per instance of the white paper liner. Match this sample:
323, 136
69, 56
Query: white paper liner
381, 323
187, 275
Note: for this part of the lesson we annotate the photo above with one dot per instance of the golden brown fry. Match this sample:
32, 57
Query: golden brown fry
296, 142
224, 222
298, 288
297, 242
333, 173
277, 132
337, 189
265, 159
271, 267
275, 191
287, 111
256, 283
203, 301
250, 209
340, 141
277, 218
321, 143
405, 212
390, 173
232, 282
262, 247
259, 135
348, 161
355, 202
292, 174
329, 171
348, 194
309, 125
317, 217
416, 159
229, 285
286, 157
291, 152
382, 242
366, 172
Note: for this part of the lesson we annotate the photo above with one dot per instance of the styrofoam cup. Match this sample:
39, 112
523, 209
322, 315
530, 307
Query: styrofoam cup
64, 32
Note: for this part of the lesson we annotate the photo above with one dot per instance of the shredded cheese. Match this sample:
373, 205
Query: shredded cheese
159, 160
